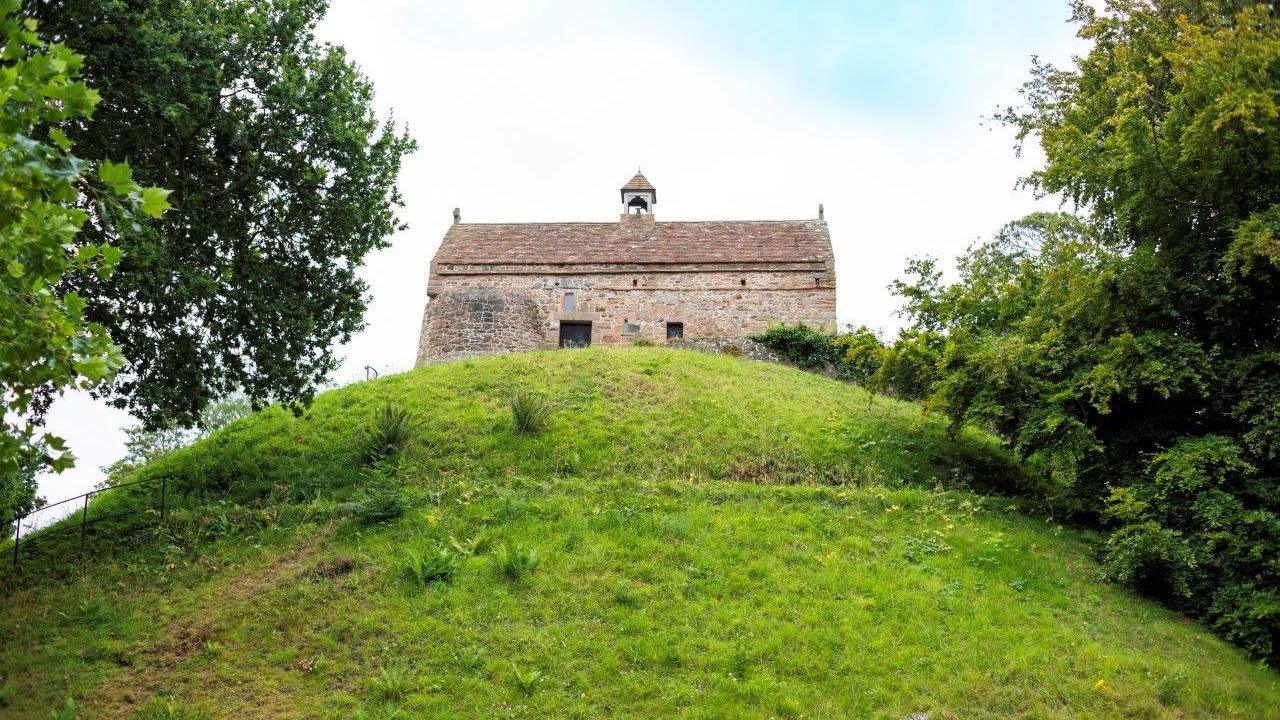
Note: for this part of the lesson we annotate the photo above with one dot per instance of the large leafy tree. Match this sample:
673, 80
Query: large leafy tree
1132, 357
48, 342
283, 181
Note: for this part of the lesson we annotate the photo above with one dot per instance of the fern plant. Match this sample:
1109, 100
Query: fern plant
437, 566
529, 413
387, 433
516, 562
394, 683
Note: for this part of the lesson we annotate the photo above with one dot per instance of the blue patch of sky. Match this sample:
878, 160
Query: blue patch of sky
903, 61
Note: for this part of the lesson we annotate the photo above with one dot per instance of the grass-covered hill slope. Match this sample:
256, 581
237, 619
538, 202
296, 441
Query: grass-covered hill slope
690, 536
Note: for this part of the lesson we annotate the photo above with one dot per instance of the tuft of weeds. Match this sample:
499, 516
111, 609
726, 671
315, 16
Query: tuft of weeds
1170, 688
471, 658
393, 683
437, 566
529, 413
516, 562
166, 708
470, 546
87, 611
920, 548
382, 502
387, 434
528, 680
70, 710
7, 693
386, 711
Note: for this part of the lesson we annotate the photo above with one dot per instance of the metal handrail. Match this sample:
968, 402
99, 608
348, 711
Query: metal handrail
85, 522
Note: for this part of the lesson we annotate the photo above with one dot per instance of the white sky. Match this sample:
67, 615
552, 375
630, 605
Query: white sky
540, 111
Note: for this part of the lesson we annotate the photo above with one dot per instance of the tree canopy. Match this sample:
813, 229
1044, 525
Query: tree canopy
47, 196
283, 179
1132, 355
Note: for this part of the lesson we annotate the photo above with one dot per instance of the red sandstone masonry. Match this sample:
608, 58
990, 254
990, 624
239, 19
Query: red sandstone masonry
501, 288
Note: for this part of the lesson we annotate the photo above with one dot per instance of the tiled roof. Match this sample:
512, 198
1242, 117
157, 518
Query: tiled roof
635, 241
638, 183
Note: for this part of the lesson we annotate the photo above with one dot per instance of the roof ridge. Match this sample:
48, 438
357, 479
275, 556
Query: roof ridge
622, 241
619, 222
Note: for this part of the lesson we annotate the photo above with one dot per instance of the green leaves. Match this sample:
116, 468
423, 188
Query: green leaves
50, 340
118, 177
283, 178
151, 201
154, 202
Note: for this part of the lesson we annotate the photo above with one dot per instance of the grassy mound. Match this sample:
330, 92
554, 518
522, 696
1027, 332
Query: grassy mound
688, 535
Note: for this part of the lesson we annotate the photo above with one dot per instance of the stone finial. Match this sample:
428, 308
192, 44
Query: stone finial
820, 213
457, 215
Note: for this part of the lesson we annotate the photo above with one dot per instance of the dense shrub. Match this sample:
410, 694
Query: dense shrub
19, 492
807, 347
908, 368
861, 355
1195, 532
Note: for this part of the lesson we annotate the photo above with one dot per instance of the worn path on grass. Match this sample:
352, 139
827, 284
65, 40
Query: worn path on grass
185, 636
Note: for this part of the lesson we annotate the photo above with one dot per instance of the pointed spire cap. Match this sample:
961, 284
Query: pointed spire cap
638, 183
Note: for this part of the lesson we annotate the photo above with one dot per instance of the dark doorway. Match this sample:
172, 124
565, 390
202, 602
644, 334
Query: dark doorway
675, 330
575, 334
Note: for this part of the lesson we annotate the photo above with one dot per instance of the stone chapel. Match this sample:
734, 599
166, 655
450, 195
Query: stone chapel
508, 287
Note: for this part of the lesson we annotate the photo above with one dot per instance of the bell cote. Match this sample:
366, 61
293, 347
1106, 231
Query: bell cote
638, 196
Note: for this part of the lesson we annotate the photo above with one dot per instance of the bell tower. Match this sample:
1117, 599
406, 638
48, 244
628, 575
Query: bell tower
638, 196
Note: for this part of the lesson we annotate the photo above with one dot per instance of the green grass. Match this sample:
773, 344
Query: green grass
688, 536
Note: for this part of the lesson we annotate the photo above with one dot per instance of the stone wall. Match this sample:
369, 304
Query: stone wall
466, 322
477, 310
737, 347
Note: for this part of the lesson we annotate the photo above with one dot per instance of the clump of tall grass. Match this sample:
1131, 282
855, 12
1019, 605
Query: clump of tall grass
529, 413
387, 433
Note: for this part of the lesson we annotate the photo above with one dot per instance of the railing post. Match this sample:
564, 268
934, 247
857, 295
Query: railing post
84, 515
17, 538
164, 494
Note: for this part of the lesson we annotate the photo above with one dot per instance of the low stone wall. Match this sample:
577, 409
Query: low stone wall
738, 347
